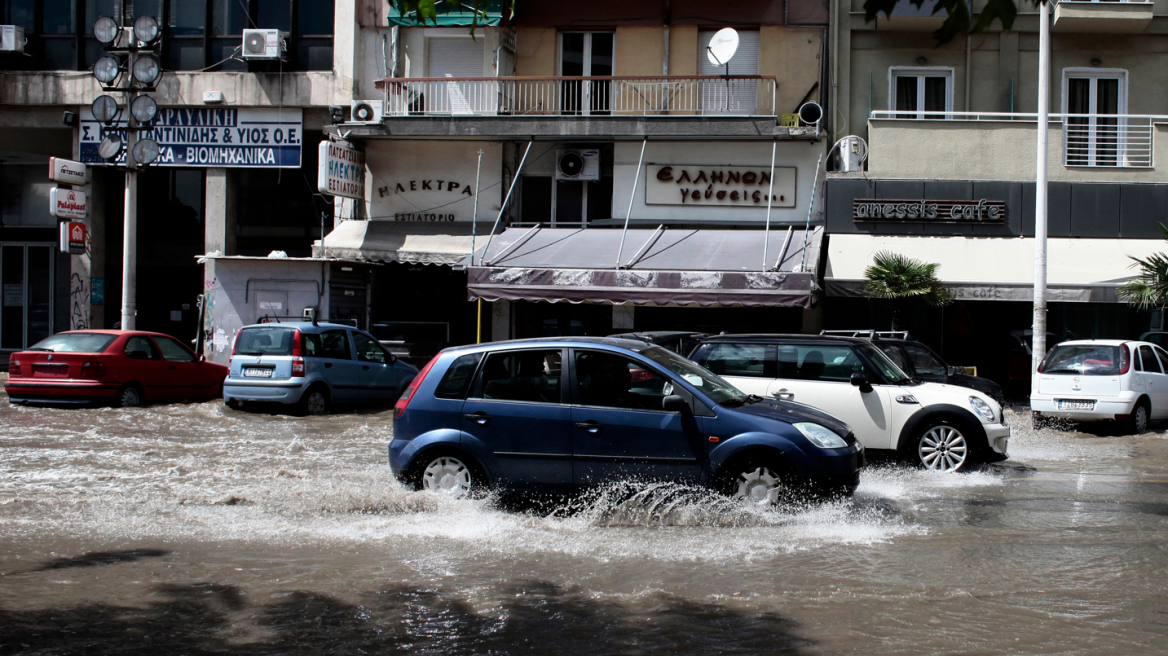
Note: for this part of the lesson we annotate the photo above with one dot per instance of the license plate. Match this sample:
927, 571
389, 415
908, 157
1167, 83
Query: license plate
256, 372
1076, 405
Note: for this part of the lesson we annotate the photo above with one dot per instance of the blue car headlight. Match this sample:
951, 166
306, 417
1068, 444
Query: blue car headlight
982, 408
820, 436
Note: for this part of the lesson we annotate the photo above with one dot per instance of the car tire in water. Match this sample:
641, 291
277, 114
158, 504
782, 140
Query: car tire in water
449, 474
941, 445
1139, 420
763, 481
128, 397
315, 401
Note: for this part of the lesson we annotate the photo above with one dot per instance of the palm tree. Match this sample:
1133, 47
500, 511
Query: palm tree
1150, 287
896, 278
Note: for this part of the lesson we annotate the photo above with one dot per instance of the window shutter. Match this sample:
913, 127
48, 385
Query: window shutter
744, 62
455, 56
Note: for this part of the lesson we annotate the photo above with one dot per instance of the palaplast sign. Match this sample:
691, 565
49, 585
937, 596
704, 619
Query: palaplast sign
210, 136
67, 203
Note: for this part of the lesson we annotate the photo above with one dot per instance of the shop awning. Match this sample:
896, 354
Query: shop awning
397, 241
995, 269
660, 267
449, 14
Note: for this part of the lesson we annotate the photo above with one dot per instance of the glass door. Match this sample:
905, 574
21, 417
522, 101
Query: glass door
918, 91
1093, 104
586, 54
26, 294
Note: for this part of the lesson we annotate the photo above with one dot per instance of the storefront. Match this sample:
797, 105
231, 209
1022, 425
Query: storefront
982, 235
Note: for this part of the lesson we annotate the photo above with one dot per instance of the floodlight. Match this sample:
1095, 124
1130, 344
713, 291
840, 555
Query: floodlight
107, 69
146, 29
110, 147
105, 30
147, 69
105, 109
143, 109
145, 151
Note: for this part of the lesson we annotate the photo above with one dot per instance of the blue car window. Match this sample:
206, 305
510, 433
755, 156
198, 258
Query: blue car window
368, 350
312, 346
614, 381
531, 376
458, 377
335, 345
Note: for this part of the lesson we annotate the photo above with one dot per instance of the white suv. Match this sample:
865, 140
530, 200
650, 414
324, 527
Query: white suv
1102, 379
941, 427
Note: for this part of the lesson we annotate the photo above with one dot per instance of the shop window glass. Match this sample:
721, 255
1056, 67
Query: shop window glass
536, 199
12, 297
60, 17
186, 31
20, 12
274, 14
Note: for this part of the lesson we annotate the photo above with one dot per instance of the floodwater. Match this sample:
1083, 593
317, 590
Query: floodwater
197, 529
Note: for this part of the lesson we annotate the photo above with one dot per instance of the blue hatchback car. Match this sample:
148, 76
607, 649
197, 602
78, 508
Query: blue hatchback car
560, 414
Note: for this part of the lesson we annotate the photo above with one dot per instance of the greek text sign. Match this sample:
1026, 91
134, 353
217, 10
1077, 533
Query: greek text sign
929, 211
72, 238
66, 203
211, 137
718, 186
341, 171
66, 171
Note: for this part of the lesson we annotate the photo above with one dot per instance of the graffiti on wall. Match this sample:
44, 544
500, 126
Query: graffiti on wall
78, 303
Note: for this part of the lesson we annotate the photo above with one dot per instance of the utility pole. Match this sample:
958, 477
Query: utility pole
130, 229
1038, 339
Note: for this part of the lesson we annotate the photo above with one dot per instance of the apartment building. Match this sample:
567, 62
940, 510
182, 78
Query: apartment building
604, 172
950, 176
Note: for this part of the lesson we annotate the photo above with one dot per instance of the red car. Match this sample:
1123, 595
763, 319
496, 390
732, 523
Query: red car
125, 368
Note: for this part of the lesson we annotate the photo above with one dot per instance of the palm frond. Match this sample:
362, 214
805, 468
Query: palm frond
895, 276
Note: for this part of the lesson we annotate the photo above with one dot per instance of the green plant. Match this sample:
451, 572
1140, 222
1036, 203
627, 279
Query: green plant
1149, 288
898, 278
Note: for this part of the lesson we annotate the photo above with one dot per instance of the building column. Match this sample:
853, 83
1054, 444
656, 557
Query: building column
218, 235
813, 319
87, 271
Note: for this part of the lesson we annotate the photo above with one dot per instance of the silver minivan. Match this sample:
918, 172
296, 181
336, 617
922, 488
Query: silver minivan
313, 367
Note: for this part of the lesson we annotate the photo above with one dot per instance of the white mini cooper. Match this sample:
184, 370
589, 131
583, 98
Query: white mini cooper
1102, 379
941, 427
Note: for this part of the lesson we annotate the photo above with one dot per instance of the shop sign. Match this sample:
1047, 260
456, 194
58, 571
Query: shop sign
66, 171
929, 211
97, 291
72, 238
718, 186
341, 171
67, 203
245, 137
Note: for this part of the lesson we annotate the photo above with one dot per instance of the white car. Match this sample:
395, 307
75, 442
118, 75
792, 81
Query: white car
1102, 379
941, 427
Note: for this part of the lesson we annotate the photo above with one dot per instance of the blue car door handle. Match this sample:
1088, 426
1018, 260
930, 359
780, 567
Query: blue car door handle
592, 426
480, 418
365, 367
328, 365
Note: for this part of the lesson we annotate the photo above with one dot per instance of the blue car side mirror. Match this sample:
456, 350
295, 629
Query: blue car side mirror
674, 403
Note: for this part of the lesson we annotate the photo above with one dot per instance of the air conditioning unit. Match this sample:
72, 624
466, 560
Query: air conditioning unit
577, 164
366, 111
264, 44
11, 38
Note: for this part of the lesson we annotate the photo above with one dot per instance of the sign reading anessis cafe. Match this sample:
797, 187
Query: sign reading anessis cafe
719, 186
929, 211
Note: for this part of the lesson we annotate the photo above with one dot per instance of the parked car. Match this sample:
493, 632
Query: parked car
681, 342
559, 414
120, 367
938, 426
1157, 337
312, 366
922, 363
1100, 379
1018, 371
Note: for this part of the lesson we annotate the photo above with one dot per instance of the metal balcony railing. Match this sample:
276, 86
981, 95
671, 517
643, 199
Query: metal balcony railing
1096, 140
671, 95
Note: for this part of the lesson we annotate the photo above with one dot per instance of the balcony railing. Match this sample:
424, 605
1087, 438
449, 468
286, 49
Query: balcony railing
670, 95
1096, 140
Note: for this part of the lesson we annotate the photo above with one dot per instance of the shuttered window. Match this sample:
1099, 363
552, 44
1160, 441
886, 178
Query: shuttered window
733, 96
455, 57
744, 61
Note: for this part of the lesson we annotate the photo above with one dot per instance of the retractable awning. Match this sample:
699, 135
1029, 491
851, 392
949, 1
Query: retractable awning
994, 268
660, 267
397, 241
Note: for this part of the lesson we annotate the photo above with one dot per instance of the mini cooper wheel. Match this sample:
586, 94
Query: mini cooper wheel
315, 401
449, 476
128, 397
942, 447
1138, 421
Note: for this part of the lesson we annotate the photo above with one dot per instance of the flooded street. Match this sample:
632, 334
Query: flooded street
199, 529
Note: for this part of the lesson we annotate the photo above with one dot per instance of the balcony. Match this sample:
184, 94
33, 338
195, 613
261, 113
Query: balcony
713, 106
1000, 146
1108, 16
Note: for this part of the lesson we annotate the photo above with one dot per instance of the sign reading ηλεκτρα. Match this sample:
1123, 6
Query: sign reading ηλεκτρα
341, 171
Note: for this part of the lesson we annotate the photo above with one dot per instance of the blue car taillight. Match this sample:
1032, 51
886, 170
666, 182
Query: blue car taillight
403, 401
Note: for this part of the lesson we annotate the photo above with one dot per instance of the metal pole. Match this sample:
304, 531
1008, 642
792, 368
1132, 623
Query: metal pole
479, 316
766, 240
1040, 205
474, 219
130, 227
632, 196
810, 206
507, 198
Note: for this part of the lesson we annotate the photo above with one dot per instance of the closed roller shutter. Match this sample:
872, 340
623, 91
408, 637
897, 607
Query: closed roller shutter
739, 97
456, 57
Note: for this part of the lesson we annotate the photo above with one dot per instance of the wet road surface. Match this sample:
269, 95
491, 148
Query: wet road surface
197, 529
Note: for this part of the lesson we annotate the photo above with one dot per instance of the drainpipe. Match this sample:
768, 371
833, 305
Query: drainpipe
968, 50
834, 20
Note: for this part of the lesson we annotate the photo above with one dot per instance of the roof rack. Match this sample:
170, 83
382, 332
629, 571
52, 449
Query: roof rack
868, 334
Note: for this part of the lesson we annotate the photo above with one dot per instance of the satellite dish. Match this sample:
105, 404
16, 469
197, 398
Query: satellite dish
722, 47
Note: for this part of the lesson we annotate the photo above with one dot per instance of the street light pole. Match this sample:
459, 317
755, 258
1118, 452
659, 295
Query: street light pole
130, 223
1038, 339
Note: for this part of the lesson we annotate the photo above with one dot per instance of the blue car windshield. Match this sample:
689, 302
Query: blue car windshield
708, 382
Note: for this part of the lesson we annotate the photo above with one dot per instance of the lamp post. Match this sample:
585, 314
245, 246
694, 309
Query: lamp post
1038, 339
130, 69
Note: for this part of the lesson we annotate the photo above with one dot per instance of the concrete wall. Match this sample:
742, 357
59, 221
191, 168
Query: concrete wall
640, 51
795, 58
536, 51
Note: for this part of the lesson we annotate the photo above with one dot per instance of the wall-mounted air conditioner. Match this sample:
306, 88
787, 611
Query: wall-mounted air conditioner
264, 44
577, 164
12, 38
366, 111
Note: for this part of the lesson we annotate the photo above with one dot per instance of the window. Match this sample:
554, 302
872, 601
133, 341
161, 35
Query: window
1149, 361
924, 361
173, 351
335, 344
76, 342
26, 287
735, 96
457, 380
544, 199
753, 360
819, 362
140, 348
528, 376
1097, 96
918, 90
893, 352
613, 381
586, 54
265, 341
1082, 360
455, 57
368, 350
